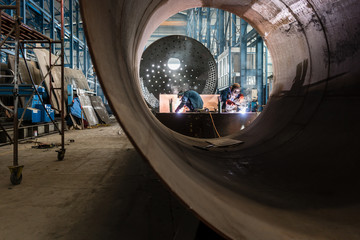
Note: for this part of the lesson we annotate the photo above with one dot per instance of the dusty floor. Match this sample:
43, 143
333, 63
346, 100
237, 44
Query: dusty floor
102, 190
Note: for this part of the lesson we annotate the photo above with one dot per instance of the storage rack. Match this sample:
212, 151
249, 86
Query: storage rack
12, 28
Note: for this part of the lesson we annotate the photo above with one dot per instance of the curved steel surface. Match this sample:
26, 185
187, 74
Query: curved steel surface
296, 174
195, 69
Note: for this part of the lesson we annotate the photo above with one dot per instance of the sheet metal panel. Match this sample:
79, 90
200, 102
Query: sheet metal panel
88, 110
100, 109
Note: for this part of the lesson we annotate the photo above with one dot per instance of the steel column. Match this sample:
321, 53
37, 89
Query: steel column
24, 19
62, 151
52, 24
243, 55
85, 58
71, 30
221, 31
42, 17
23, 14
233, 30
200, 38
208, 31
266, 76
77, 35
193, 23
260, 72
16, 86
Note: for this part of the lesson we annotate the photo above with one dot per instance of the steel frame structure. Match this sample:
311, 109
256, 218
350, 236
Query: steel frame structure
19, 49
45, 17
221, 31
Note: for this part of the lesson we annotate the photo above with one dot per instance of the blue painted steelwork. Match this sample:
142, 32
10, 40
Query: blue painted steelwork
232, 34
77, 19
243, 53
221, 31
49, 14
52, 22
233, 30
260, 72
232, 39
208, 31
8, 90
200, 37
71, 38
194, 35
266, 76
42, 15
85, 58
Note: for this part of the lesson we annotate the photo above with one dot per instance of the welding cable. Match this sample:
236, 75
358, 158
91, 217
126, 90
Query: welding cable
212, 120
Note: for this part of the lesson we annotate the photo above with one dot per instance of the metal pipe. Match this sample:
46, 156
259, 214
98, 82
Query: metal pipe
10, 7
295, 176
62, 79
16, 86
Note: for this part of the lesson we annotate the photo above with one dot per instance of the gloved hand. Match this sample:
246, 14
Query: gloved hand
229, 102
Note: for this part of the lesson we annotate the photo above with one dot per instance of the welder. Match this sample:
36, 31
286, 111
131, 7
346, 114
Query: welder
191, 99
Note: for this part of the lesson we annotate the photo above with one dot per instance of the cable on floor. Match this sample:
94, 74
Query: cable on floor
212, 120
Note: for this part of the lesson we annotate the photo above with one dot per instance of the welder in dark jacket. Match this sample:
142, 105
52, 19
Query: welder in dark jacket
190, 99
231, 95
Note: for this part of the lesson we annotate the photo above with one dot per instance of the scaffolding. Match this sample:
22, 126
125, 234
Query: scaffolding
19, 37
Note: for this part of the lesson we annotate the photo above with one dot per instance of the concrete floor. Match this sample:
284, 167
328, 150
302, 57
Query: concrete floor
102, 190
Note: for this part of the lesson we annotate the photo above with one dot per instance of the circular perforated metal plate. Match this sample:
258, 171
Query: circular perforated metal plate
197, 70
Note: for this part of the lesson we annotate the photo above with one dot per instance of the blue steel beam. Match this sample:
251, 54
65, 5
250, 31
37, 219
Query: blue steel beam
71, 38
23, 10
250, 35
31, 4
85, 59
200, 25
194, 23
42, 16
233, 30
230, 64
260, 72
266, 76
243, 54
221, 31
77, 9
208, 31
52, 22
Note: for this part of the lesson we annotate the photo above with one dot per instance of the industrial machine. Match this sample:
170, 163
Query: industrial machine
35, 112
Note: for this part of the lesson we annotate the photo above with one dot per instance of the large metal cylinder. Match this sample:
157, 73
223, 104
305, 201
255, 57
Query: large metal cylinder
296, 174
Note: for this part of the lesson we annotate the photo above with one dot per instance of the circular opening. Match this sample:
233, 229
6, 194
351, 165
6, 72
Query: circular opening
233, 62
174, 63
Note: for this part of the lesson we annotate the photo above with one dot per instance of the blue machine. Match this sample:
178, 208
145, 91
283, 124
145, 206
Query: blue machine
36, 112
32, 115
44, 116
